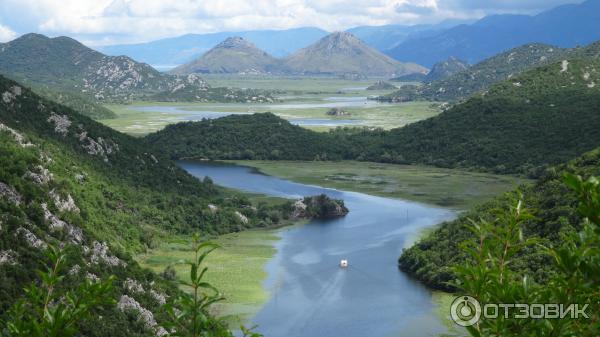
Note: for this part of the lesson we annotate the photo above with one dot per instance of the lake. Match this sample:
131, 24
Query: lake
311, 296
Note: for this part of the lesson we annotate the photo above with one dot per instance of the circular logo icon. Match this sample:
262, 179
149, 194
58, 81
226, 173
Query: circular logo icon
465, 311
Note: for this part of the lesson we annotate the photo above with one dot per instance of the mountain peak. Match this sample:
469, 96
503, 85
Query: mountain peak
342, 53
235, 42
339, 39
233, 55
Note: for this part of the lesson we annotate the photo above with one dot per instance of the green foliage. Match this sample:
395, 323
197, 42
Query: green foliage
124, 195
495, 246
51, 308
190, 313
556, 214
78, 102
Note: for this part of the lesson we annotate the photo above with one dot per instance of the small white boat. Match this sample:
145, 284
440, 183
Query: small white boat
343, 263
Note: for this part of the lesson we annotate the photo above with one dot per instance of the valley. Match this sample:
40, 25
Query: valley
201, 169
303, 101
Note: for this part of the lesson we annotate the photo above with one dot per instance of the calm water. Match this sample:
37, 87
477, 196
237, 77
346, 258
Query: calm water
311, 295
191, 114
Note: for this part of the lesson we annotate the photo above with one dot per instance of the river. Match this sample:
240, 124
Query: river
311, 296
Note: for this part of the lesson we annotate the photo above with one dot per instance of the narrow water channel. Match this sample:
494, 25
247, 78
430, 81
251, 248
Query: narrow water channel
311, 296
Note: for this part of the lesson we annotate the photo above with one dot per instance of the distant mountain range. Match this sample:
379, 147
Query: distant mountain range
339, 53
563, 26
387, 37
67, 71
183, 49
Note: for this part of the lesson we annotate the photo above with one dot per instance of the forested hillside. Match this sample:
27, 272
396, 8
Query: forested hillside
67, 181
554, 206
258, 136
543, 117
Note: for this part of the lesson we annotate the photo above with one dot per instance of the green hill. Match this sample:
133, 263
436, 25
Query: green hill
542, 117
482, 75
257, 136
555, 209
68, 181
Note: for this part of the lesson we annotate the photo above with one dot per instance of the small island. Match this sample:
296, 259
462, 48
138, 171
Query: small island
382, 85
337, 112
319, 207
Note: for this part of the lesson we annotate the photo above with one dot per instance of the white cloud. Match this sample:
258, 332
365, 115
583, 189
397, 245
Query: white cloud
6, 34
110, 21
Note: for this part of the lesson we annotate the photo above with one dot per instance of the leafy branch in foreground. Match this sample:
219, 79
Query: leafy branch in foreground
190, 314
51, 310
490, 279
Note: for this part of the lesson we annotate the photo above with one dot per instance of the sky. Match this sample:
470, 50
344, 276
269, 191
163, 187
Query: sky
105, 22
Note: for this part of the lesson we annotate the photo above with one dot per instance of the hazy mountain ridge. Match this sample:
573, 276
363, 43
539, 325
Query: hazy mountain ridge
186, 48
565, 26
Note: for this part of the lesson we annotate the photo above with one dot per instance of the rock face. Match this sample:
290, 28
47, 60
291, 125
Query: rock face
319, 207
342, 53
382, 85
235, 55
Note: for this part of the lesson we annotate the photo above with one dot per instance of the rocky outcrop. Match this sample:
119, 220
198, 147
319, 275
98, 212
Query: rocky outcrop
101, 254
319, 207
19, 138
10, 194
127, 303
61, 123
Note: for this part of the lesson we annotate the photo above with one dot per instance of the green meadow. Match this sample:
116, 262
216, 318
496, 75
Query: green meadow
437, 186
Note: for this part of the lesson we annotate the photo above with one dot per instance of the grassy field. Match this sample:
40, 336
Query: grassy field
301, 93
448, 188
237, 268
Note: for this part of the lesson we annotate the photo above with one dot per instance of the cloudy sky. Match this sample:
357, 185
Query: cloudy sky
101, 22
